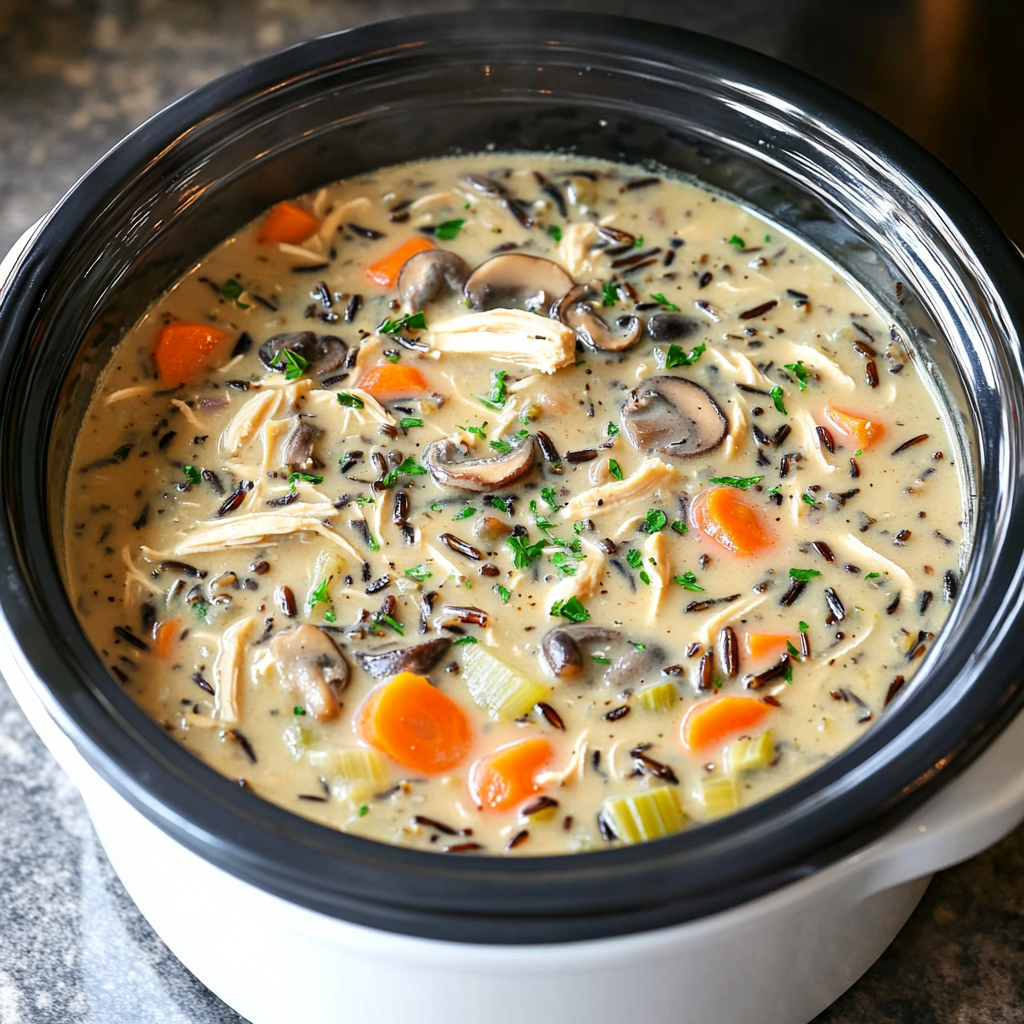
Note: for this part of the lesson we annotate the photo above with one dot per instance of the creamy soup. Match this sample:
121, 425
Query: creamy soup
513, 504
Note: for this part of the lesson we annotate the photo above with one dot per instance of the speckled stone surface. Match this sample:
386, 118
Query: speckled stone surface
75, 76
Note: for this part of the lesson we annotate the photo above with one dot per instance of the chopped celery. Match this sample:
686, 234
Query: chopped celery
659, 697
720, 795
495, 686
328, 565
649, 815
297, 738
746, 754
351, 765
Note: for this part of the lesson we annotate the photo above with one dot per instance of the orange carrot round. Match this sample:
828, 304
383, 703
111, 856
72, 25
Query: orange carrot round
766, 646
385, 270
508, 775
286, 222
722, 514
388, 381
856, 431
417, 725
165, 636
183, 350
709, 723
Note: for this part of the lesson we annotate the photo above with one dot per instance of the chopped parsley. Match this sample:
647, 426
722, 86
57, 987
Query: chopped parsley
803, 575
787, 673
738, 242
688, 581
639, 243
362, 499
634, 558
615, 469
662, 301
309, 478
503, 592
320, 594
800, 372
463, 640
412, 322
436, 506
524, 553
803, 627
392, 355
200, 610
644, 577
776, 396
498, 395
612, 430
677, 357
475, 431
294, 364
298, 710
329, 616
408, 467
548, 494
350, 401
448, 229
372, 543
571, 609
611, 294
465, 512
767, 238
679, 526
792, 650
859, 451
377, 620
654, 520
807, 499
232, 289
564, 564
601, 659
364, 811
742, 482
873, 576
555, 232
408, 422
500, 446
192, 473
419, 573
499, 503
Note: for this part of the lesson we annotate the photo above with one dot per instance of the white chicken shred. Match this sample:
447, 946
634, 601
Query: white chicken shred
610, 497
227, 670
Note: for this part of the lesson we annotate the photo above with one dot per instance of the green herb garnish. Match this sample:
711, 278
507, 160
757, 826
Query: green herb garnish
601, 659
742, 482
395, 625
408, 422
501, 447
392, 355
662, 301
309, 478
800, 372
298, 710
232, 289
873, 576
645, 577
563, 563
448, 229
803, 575
364, 811
320, 595
634, 558
503, 592
201, 610
498, 395
555, 232
329, 616
677, 357
611, 294
192, 473
524, 553
787, 673
362, 499
465, 512
294, 364
738, 242
679, 526
612, 430
615, 469
350, 401
548, 494
436, 506
475, 431
792, 650
776, 396
463, 640
412, 322
372, 543
803, 627
572, 609
688, 581
654, 520
419, 573
808, 500
408, 467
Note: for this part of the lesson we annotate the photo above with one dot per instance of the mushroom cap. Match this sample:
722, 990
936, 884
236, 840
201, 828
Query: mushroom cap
560, 647
419, 659
297, 447
627, 668
313, 667
576, 310
424, 275
323, 352
514, 280
674, 416
479, 475
672, 326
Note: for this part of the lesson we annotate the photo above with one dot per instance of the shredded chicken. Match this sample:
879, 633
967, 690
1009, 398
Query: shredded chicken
372, 407
660, 570
227, 669
737, 417
307, 255
574, 250
804, 424
134, 392
834, 654
247, 422
815, 360
508, 417
330, 224
610, 497
134, 578
589, 573
509, 336
577, 765
188, 413
708, 629
741, 369
862, 553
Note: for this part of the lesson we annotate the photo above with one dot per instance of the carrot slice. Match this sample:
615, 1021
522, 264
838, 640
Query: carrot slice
416, 724
855, 430
165, 636
385, 270
766, 646
708, 723
508, 775
394, 380
723, 515
287, 222
183, 350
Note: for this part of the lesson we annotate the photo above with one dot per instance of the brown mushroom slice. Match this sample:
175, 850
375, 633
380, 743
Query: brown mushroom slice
480, 475
560, 647
297, 447
517, 281
576, 310
322, 352
627, 668
313, 668
419, 659
423, 277
674, 416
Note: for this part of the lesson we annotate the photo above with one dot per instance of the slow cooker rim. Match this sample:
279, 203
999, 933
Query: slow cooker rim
209, 100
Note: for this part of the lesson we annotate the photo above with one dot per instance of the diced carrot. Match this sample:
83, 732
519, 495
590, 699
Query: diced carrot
394, 380
182, 351
712, 721
508, 775
856, 431
385, 270
165, 636
416, 724
722, 514
286, 222
766, 646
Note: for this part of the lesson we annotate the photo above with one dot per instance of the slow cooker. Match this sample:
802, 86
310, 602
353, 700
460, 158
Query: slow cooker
764, 916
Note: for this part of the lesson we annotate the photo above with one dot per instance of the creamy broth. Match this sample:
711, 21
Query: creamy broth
717, 479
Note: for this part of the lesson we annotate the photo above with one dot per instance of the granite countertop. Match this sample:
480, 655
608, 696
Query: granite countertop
76, 75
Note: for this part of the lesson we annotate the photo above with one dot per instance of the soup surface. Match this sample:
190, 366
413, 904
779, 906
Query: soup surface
513, 503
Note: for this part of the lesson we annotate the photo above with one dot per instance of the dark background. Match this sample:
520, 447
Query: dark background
77, 75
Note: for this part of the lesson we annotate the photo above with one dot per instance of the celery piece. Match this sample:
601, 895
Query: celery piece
659, 697
649, 815
497, 687
297, 737
746, 754
351, 765
720, 796
328, 565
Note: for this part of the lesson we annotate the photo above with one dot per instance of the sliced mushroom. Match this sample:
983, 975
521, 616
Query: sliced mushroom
313, 668
674, 416
481, 475
517, 281
490, 187
627, 668
423, 276
560, 647
576, 309
672, 326
297, 447
322, 352
419, 659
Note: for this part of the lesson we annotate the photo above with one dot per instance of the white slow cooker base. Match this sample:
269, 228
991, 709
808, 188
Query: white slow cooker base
780, 959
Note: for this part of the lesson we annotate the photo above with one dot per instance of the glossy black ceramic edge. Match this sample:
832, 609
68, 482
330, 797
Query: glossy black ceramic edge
921, 743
